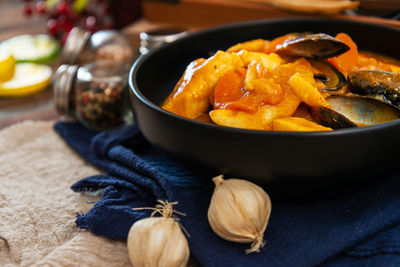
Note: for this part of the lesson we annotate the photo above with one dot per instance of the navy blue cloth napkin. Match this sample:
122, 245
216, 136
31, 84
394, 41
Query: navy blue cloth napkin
358, 229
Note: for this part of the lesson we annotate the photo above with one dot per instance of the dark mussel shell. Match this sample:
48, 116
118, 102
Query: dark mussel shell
312, 46
329, 75
353, 111
381, 85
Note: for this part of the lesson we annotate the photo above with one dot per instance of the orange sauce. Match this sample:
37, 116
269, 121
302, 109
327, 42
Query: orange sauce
270, 87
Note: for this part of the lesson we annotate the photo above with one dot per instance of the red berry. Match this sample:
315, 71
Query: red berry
62, 7
68, 26
72, 13
52, 26
91, 23
28, 10
62, 20
41, 7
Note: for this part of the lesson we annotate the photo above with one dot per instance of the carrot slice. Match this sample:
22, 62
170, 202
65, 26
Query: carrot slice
247, 103
346, 61
230, 93
229, 88
271, 47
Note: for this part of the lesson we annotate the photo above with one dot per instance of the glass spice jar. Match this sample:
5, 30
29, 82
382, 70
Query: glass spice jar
156, 37
82, 47
95, 94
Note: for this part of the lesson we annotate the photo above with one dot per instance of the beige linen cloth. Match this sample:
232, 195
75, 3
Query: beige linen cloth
38, 208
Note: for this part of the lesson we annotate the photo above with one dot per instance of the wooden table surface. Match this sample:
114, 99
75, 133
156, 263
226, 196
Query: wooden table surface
39, 106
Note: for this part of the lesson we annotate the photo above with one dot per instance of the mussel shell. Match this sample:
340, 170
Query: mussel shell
330, 76
381, 85
354, 111
311, 46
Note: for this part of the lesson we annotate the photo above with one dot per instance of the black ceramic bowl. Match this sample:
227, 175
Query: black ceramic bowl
261, 156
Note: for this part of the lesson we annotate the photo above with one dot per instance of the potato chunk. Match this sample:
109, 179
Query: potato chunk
307, 92
238, 119
257, 45
268, 61
259, 120
190, 96
297, 124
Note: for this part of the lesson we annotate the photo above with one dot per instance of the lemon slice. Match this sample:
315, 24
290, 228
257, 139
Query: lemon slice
7, 65
41, 48
29, 78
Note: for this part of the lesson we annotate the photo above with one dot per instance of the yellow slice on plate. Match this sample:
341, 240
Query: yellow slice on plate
7, 65
40, 48
28, 79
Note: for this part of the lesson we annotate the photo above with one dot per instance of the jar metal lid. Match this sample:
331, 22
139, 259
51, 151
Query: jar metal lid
154, 38
62, 84
77, 39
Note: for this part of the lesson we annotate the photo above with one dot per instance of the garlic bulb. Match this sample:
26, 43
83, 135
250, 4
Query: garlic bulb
239, 211
158, 241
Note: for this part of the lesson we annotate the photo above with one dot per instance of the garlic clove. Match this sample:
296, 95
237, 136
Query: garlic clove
158, 241
239, 211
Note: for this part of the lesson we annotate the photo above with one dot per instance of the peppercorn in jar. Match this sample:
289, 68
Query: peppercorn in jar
95, 94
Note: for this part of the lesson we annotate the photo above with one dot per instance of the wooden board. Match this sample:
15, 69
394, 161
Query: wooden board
206, 13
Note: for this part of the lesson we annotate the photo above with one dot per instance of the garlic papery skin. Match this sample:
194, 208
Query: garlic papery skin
157, 242
239, 211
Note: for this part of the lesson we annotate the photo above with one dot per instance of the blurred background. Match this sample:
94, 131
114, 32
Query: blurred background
56, 18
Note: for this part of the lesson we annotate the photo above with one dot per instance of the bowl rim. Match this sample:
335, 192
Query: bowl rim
133, 86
